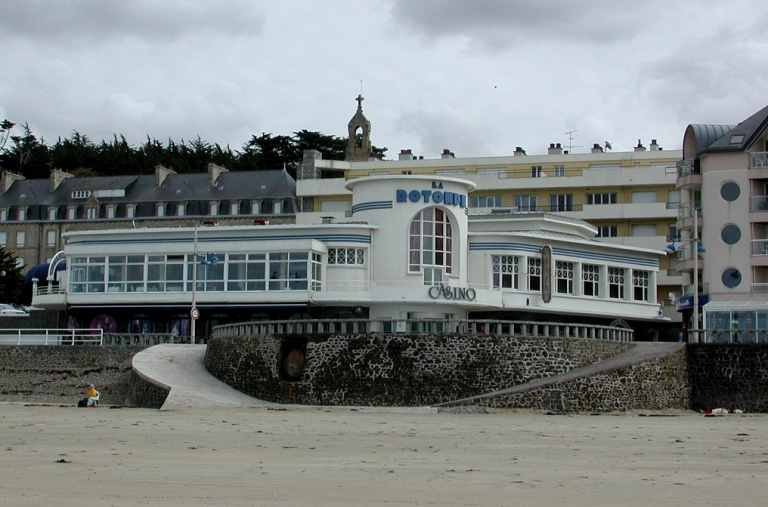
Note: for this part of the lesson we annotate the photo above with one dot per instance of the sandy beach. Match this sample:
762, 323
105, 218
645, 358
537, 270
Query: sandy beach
65, 456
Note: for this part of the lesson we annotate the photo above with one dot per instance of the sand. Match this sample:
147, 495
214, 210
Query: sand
65, 456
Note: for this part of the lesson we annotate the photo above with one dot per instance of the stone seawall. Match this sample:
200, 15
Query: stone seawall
401, 370
60, 374
731, 376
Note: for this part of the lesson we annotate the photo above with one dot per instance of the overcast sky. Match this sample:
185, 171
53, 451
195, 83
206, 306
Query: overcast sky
476, 76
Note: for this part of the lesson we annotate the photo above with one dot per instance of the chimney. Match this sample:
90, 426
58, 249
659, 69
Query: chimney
639, 146
214, 171
654, 145
555, 149
519, 151
405, 155
596, 148
161, 173
6, 180
447, 154
57, 176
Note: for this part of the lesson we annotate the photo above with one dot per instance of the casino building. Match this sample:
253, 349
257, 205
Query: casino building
410, 249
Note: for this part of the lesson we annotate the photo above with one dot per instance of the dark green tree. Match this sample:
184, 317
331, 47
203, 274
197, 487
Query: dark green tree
11, 278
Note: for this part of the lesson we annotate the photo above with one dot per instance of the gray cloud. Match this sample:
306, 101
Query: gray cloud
502, 23
77, 21
436, 130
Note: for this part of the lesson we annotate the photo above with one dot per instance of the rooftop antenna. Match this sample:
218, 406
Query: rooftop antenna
570, 141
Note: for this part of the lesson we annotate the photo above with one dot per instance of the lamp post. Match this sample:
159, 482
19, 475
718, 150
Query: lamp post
695, 251
193, 313
205, 260
696, 248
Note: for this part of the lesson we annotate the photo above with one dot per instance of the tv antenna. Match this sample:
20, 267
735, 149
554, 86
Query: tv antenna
570, 141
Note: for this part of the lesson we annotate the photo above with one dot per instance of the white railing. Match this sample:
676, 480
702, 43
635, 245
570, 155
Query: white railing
50, 290
51, 337
437, 326
760, 247
758, 203
758, 159
760, 287
733, 336
143, 339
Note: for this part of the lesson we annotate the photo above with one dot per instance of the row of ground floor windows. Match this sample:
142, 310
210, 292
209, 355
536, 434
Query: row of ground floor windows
274, 271
524, 273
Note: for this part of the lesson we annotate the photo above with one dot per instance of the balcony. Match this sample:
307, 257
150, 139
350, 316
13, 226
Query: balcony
685, 216
688, 174
758, 204
688, 289
758, 160
760, 247
685, 259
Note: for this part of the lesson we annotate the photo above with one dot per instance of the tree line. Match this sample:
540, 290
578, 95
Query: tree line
23, 153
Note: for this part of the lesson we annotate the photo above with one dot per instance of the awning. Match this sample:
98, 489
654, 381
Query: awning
722, 305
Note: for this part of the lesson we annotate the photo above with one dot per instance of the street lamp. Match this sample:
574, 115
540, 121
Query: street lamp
205, 260
699, 249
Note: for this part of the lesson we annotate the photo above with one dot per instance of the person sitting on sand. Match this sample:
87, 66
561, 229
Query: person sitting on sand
91, 398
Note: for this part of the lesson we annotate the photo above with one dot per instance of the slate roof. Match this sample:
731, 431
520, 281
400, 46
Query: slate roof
751, 128
190, 188
705, 135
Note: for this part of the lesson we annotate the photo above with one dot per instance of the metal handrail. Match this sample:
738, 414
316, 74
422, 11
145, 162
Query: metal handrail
51, 337
424, 326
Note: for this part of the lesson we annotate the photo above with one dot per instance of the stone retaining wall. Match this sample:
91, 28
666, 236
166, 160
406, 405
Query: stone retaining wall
729, 376
651, 385
399, 370
60, 374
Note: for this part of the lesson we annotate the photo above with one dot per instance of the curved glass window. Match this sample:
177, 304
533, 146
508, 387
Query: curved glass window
430, 245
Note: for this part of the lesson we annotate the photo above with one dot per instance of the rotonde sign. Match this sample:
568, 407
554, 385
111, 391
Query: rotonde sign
436, 195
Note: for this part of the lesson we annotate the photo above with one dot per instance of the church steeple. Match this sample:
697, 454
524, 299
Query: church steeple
359, 143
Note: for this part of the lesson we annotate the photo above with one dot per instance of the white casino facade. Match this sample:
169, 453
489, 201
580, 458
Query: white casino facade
411, 250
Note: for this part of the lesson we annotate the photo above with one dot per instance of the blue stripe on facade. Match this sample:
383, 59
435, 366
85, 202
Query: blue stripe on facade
349, 238
364, 206
566, 252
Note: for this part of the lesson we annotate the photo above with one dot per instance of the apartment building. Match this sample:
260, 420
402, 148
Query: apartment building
723, 220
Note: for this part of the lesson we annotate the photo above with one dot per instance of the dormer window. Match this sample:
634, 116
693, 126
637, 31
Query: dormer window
213, 208
4, 215
277, 207
92, 212
22, 214
53, 213
160, 209
71, 212
111, 211
130, 210
234, 208
181, 209
255, 207
81, 194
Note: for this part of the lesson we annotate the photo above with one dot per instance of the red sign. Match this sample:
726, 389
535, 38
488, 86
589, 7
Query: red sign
194, 313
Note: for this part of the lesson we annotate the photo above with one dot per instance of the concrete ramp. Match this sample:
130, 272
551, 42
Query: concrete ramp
180, 369
638, 353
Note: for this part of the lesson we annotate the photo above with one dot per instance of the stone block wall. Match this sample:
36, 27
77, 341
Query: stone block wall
400, 370
729, 376
651, 385
60, 374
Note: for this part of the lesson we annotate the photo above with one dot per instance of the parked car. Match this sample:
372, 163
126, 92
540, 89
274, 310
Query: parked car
11, 311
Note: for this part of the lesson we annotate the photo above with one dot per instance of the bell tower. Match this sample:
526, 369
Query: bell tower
359, 143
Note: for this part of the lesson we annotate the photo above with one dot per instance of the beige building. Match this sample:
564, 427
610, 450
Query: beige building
630, 197
723, 177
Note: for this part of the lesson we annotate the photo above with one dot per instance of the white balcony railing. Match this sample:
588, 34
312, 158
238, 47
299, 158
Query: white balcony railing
758, 160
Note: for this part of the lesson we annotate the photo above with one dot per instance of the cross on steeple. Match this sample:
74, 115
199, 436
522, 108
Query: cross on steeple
360, 100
